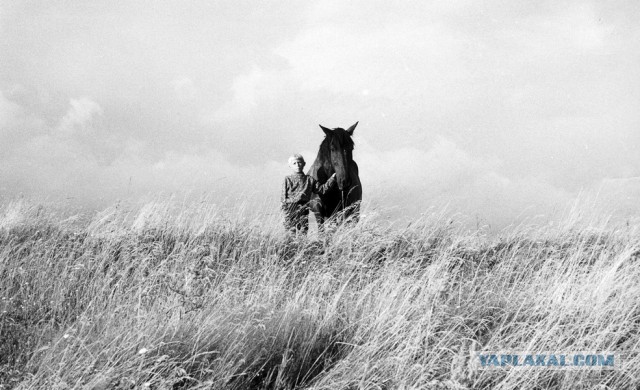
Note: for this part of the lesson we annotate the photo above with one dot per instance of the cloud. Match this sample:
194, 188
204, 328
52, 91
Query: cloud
400, 182
246, 91
9, 111
411, 57
184, 88
492, 108
17, 124
63, 162
410, 181
79, 117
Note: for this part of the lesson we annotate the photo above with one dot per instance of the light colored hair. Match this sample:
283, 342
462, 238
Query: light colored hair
296, 157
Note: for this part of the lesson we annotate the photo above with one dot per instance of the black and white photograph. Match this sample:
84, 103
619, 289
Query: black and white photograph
321, 195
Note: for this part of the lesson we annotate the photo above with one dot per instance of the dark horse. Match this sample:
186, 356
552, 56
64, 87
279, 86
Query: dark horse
336, 155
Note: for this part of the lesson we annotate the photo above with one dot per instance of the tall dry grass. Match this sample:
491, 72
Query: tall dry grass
177, 297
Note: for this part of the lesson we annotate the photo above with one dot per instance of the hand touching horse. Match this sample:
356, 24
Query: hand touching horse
336, 155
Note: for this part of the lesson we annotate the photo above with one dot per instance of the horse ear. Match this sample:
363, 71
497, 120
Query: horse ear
326, 131
352, 128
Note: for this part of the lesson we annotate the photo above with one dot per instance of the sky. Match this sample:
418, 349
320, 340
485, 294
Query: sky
494, 109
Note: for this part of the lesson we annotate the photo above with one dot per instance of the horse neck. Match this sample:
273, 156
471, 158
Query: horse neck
322, 162
352, 170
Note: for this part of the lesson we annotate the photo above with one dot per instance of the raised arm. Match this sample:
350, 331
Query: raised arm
324, 188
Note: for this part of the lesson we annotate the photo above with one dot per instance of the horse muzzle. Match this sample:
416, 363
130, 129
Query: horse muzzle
343, 184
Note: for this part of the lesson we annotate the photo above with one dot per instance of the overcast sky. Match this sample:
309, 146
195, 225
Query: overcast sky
491, 107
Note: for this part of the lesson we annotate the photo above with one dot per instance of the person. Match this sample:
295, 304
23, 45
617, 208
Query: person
296, 194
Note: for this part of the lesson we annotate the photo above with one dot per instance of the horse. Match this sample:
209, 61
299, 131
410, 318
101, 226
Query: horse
336, 155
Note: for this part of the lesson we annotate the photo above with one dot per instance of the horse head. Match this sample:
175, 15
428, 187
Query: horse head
339, 145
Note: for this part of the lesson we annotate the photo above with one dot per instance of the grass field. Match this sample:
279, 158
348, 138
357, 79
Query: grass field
166, 298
